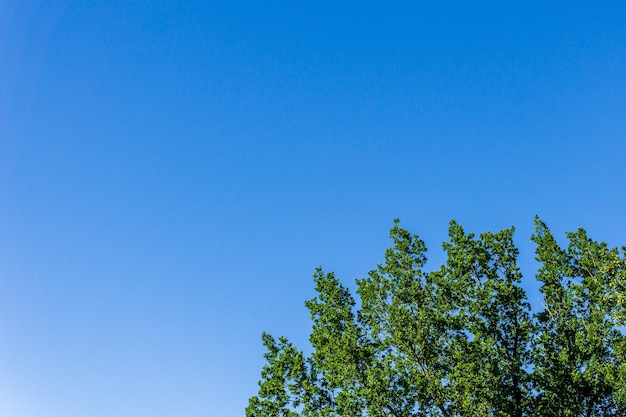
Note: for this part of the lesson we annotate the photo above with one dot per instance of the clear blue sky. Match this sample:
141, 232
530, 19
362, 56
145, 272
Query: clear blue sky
171, 172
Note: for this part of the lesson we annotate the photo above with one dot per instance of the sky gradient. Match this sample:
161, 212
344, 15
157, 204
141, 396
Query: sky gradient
171, 173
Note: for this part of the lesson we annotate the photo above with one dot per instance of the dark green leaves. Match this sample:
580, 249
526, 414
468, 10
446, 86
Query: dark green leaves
461, 340
579, 341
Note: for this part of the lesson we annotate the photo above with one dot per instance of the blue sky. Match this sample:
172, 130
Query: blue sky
171, 173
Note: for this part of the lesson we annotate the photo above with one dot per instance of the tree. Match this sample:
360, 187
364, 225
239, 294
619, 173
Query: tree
461, 340
579, 343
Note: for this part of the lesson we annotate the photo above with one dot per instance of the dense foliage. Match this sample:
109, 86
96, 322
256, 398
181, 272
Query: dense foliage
461, 340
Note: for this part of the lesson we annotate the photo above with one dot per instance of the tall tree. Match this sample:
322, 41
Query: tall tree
459, 341
579, 343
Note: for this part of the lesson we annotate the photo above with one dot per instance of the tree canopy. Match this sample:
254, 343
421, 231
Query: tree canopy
461, 340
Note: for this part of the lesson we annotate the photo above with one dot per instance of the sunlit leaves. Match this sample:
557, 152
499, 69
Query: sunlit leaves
460, 340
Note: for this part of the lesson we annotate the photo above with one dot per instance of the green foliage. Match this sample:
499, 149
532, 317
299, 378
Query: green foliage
460, 340
578, 346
